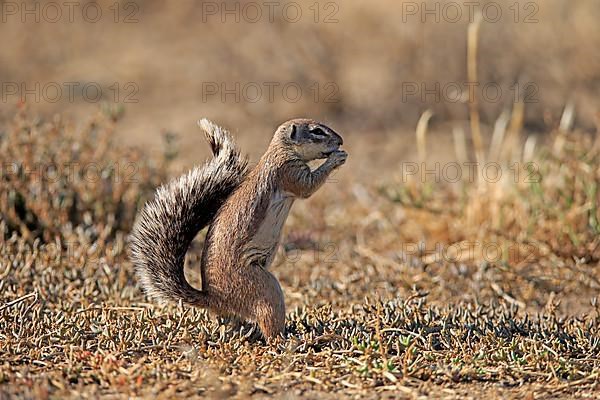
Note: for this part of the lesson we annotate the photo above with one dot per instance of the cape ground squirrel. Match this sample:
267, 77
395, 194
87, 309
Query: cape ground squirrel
246, 211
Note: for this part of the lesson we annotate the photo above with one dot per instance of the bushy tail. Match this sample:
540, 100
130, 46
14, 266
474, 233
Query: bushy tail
166, 226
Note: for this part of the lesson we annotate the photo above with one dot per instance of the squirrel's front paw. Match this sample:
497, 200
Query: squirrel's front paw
338, 158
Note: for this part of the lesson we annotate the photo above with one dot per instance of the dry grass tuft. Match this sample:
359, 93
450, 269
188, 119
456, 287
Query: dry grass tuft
390, 289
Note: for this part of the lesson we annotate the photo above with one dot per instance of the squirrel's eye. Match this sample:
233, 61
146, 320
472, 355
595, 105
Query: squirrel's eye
318, 132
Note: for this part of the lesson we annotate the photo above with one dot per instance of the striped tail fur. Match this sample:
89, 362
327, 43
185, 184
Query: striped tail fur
167, 224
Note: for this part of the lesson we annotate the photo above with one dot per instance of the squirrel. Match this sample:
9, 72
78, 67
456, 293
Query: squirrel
245, 210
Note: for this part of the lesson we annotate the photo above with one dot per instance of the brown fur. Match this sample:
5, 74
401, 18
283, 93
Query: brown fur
244, 234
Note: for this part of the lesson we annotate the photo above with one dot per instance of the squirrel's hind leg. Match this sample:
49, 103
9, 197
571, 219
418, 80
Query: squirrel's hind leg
269, 305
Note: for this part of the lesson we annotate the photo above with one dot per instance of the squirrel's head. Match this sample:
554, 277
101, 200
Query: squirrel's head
309, 139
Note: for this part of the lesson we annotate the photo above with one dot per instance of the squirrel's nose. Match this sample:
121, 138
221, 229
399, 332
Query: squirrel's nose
338, 139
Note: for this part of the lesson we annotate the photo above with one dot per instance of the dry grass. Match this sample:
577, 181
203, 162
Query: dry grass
406, 286
367, 314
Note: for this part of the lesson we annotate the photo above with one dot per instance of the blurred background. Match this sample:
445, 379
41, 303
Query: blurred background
370, 69
99, 103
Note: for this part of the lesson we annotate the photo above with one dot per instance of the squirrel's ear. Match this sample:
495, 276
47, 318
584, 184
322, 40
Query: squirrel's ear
294, 133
